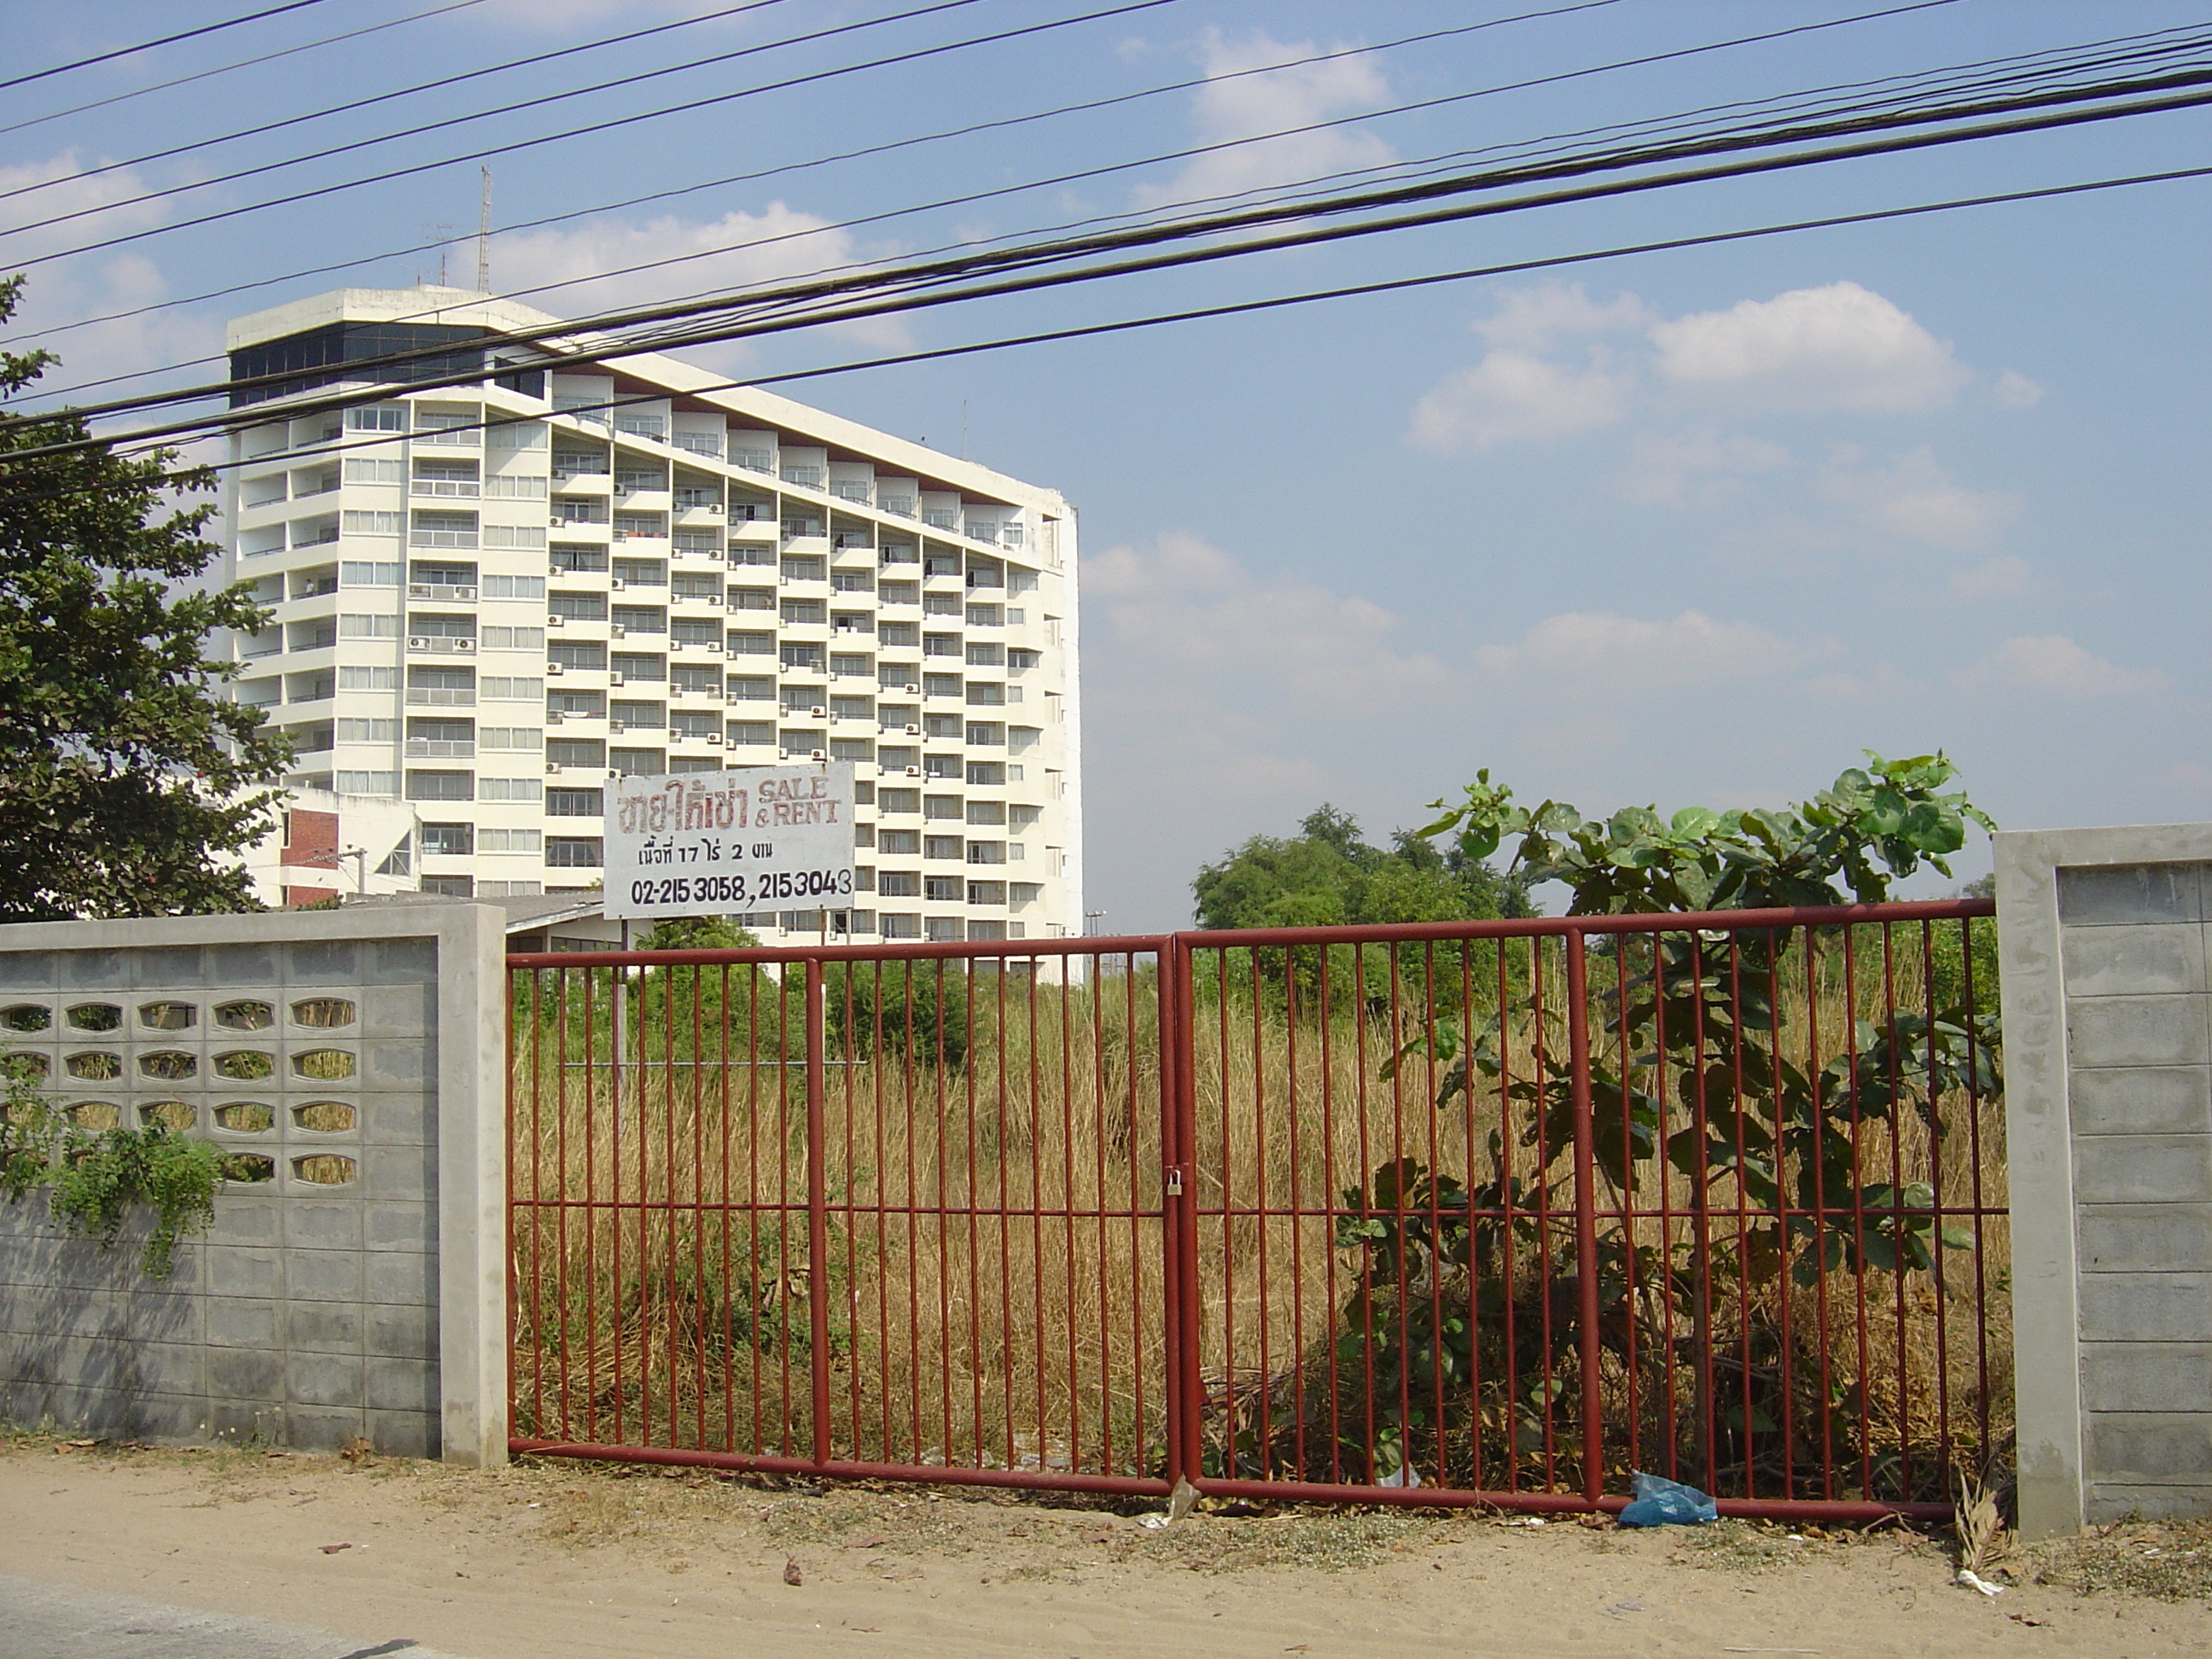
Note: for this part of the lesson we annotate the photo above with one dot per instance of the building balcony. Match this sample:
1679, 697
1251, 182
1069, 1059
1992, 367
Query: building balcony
466, 487
439, 696
440, 645
441, 591
440, 749
583, 483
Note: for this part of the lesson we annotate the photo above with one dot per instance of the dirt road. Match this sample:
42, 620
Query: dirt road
554, 1560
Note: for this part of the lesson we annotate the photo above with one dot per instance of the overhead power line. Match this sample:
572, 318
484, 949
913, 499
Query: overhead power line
595, 128
148, 46
1952, 80
600, 350
822, 161
243, 63
455, 120
1517, 267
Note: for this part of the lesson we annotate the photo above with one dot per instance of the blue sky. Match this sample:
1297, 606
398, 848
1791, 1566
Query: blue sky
1692, 527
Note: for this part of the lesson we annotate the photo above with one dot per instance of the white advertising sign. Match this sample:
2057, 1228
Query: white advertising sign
722, 843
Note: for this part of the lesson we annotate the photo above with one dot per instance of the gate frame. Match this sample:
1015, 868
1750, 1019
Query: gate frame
1184, 1394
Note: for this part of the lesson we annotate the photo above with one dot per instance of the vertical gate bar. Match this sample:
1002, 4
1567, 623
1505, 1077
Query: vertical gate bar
1776, 940
1625, 1070
1585, 1215
1002, 1156
1540, 1068
1742, 1205
1225, 1093
818, 1219
1474, 1228
1161, 1040
1070, 1227
876, 1072
1506, 1136
1858, 1218
848, 1063
1190, 1384
726, 1341
1974, 1155
1663, 1169
1396, 992
1295, 1199
512, 1275
1700, 1197
1820, 1217
1443, 1439
1895, 1092
1266, 1399
1036, 1210
906, 979
561, 1185
1328, 1198
753, 1181
1360, 1168
1935, 1206
972, 1196
1171, 1025
592, 1222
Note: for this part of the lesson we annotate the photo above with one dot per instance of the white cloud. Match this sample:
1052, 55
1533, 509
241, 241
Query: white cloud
1599, 654
70, 290
1187, 606
1531, 319
1703, 469
739, 250
1912, 497
2051, 664
1510, 395
1811, 350
2001, 578
2014, 389
1299, 95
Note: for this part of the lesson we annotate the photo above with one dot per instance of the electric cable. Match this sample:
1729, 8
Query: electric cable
1517, 267
595, 128
166, 41
457, 120
1897, 87
1217, 224
2022, 59
243, 63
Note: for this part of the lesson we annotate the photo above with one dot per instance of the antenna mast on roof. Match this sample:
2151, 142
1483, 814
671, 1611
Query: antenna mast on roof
483, 236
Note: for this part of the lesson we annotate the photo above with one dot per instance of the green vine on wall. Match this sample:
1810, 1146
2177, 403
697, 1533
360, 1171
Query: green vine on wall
92, 1180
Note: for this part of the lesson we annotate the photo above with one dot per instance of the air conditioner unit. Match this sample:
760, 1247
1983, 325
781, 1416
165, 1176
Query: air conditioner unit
914, 771
713, 740
552, 621
914, 731
553, 668
713, 650
465, 645
615, 583
614, 679
615, 630
818, 712
464, 593
817, 754
552, 766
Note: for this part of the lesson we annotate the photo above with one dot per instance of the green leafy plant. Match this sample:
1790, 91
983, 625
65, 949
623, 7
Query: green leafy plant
92, 1180
1701, 1011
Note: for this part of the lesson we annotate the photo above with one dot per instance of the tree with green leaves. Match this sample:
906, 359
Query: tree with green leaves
128, 783
1326, 876
1780, 1128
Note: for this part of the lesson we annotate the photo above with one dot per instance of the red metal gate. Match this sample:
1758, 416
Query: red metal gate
1445, 1213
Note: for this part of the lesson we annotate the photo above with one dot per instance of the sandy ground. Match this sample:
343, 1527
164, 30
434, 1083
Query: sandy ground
553, 1560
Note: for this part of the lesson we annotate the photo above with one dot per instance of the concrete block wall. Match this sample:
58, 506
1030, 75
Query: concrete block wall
357, 1287
2108, 1029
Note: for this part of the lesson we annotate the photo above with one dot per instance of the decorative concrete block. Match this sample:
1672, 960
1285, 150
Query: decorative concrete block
2142, 1100
2128, 894
233, 1270
396, 1333
2147, 1307
2127, 962
403, 1277
323, 1275
324, 1327
245, 1374
2144, 1030
239, 1322
408, 1011
323, 1379
2143, 1238
397, 1225
2147, 1376
408, 1385
2150, 1447
2143, 1170
404, 1174
325, 1223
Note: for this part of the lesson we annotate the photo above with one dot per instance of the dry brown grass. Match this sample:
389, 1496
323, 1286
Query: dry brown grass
994, 1262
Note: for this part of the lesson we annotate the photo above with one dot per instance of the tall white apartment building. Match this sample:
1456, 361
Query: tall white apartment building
490, 598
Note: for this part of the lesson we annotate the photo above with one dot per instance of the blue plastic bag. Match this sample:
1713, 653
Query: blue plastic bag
1663, 1503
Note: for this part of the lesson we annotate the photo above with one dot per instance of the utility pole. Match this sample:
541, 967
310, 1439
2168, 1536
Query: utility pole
483, 236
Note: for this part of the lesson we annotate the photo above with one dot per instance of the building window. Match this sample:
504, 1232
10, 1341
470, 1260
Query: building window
944, 928
449, 886
897, 884
441, 785
448, 840
942, 847
575, 803
573, 852
898, 925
